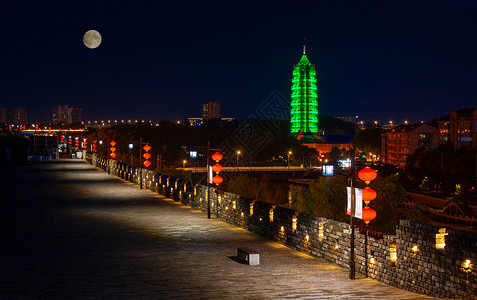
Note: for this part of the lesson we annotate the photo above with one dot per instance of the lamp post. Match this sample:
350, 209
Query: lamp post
352, 263
238, 153
184, 163
288, 160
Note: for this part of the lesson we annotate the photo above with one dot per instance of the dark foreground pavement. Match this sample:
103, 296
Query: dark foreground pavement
70, 231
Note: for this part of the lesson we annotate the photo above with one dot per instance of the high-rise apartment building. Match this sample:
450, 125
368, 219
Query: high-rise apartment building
210, 110
3, 115
18, 115
67, 115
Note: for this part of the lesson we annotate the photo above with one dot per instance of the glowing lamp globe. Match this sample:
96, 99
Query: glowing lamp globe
217, 180
217, 168
146, 147
368, 214
146, 155
367, 175
369, 194
112, 149
112, 143
146, 163
113, 155
217, 156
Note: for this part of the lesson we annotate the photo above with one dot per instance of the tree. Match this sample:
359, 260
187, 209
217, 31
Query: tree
390, 195
368, 140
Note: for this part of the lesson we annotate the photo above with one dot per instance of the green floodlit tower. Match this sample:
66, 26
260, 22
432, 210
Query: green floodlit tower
304, 98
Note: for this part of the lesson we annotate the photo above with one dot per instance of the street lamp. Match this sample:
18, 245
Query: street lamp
288, 160
184, 163
238, 153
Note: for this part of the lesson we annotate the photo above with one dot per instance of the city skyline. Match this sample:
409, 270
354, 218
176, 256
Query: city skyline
162, 61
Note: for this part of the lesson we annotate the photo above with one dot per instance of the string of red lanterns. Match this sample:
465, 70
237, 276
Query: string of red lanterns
367, 175
113, 149
146, 155
217, 168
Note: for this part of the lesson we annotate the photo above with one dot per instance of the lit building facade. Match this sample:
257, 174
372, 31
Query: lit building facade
399, 143
304, 98
459, 128
210, 110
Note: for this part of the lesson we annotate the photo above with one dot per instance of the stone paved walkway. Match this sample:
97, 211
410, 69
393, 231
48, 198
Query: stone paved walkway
71, 231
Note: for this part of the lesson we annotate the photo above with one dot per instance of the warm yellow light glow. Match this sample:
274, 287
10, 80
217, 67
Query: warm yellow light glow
294, 221
415, 248
242, 214
337, 246
466, 264
282, 229
234, 204
372, 260
271, 215
321, 231
238, 152
289, 153
251, 209
307, 238
393, 253
441, 239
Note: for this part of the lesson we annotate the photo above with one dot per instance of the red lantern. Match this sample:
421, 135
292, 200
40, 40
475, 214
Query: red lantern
146, 148
217, 180
369, 194
146, 163
217, 168
112, 149
217, 156
146, 155
368, 214
94, 145
367, 174
113, 155
112, 143
94, 150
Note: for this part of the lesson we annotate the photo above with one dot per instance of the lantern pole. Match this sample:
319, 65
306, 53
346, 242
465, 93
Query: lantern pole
140, 164
352, 263
207, 179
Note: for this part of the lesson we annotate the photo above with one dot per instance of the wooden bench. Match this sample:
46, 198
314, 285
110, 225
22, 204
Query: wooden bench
248, 256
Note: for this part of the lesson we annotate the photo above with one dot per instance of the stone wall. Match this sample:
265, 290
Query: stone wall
418, 266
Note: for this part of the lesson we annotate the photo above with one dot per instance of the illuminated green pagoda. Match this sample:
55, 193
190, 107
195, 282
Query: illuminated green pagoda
304, 99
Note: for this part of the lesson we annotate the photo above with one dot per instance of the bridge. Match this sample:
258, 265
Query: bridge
264, 169
73, 231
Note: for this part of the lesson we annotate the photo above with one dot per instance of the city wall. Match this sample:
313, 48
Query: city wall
420, 258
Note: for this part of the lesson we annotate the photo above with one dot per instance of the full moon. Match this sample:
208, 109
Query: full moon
92, 39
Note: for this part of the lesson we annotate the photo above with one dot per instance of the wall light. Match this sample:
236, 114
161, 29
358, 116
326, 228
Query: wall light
393, 254
441, 239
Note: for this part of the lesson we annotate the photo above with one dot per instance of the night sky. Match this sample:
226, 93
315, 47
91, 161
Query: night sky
380, 60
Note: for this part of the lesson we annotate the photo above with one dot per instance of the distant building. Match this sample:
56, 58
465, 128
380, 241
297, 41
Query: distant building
210, 110
67, 115
459, 128
3, 115
18, 115
398, 143
76, 115
350, 119
195, 121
